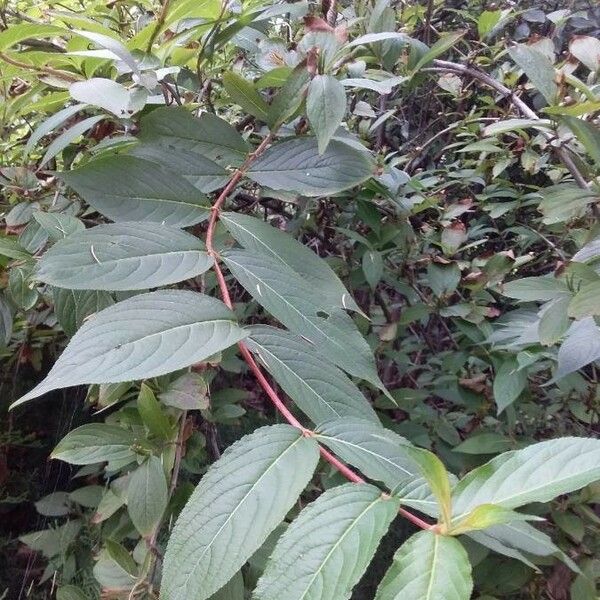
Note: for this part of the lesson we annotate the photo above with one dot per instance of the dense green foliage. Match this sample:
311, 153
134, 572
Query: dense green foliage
324, 278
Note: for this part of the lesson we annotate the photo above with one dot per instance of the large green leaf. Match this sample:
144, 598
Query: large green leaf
238, 503
127, 188
428, 567
296, 166
258, 236
319, 389
94, 443
580, 348
538, 68
286, 296
381, 455
537, 473
147, 495
72, 307
324, 552
144, 336
208, 135
124, 256
325, 108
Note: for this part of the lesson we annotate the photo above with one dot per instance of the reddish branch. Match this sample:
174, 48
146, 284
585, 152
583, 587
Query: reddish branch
246, 354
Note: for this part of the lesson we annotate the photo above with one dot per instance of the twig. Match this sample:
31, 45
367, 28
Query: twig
252, 364
48, 70
159, 23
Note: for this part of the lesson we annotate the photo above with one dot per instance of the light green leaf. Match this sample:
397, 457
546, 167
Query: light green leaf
335, 537
372, 266
563, 202
147, 495
208, 135
70, 592
21, 288
11, 248
109, 95
188, 392
380, 454
586, 301
290, 97
428, 567
487, 515
325, 108
243, 93
144, 336
68, 136
296, 166
318, 388
122, 557
537, 473
442, 45
57, 225
509, 382
258, 236
516, 124
554, 321
73, 307
124, 256
23, 31
286, 296
151, 413
234, 509
94, 443
538, 68
536, 289
126, 188
484, 443
587, 133
580, 348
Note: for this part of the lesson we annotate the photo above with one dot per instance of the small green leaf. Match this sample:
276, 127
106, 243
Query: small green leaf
537, 473
147, 495
586, 301
372, 266
442, 45
554, 321
57, 225
509, 382
487, 515
73, 307
152, 415
289, 97
242, 92
122, 557
428, 567
94, 443
538, 68
234, 509
188, 392
325, 108
336, 537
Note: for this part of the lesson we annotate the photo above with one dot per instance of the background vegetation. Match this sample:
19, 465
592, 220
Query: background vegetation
470, 246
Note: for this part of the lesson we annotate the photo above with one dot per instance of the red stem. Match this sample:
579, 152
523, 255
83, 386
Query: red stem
252, 364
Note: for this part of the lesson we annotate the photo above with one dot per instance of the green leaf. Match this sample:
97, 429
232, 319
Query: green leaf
516, 124
325, 108
484, 443
586, 301
110, 95
532, 289
126, 188
580, 348
554, 321
6, 322
188, 392
289, 98
232, 590
538, 68
372, 266
11, 248
318, 388
57, 225
145, 336
23, 31
325, 551
234, 509
151, 413
428, 567
94, 443
487, 515
564, 202
21, 288
122, 557
587, 133
286, 296
442, 45
296, 166
243, 93
380, 454
73, 307
147, 495
258, 236
537, 473
70, 592
175, 128
124, 256
509, 382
